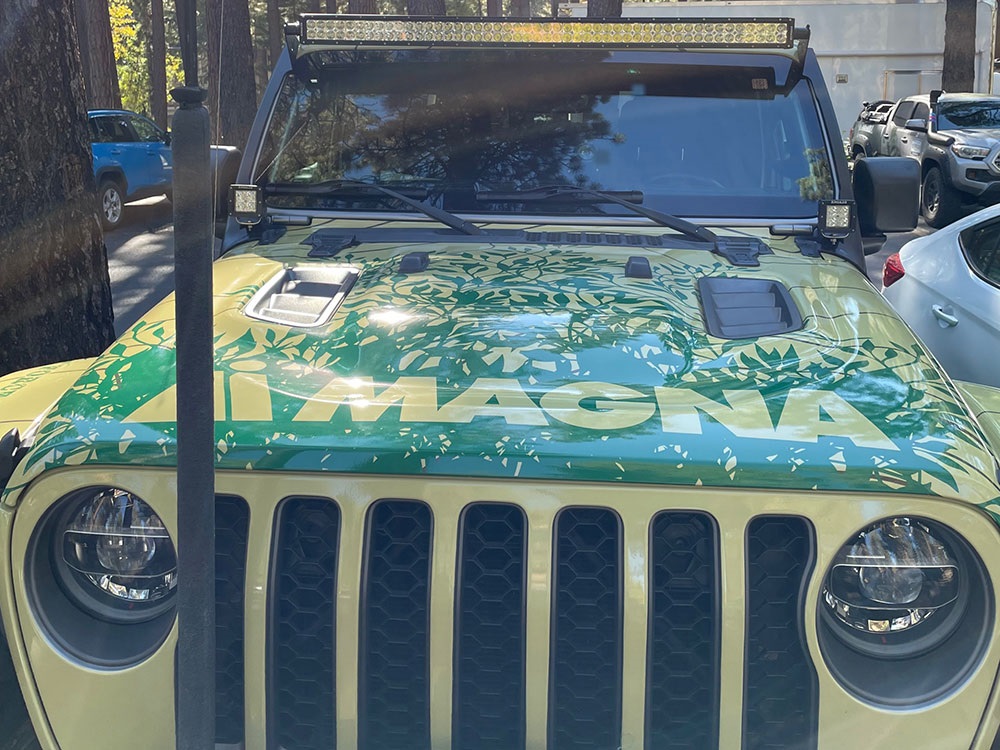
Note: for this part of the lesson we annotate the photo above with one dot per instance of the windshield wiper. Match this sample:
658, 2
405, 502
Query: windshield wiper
585, 195
332, 187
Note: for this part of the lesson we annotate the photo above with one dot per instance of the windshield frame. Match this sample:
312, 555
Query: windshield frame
762, 215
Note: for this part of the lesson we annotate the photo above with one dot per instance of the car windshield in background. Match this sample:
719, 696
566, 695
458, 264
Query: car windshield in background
973, 114
691, 140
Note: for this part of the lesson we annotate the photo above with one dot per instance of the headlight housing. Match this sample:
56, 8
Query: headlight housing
905, 612
891, 579
100, 571
971, 152
118, 551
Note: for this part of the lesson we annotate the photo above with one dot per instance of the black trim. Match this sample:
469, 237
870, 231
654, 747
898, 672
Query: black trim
685, 732
736, 307
301, 728
519, 722
557, 664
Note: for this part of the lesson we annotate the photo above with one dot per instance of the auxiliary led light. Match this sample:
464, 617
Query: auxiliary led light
836, 218
774, 33
246, 204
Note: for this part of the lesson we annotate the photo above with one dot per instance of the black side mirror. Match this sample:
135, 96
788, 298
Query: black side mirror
887, 193
918, 125
166, 137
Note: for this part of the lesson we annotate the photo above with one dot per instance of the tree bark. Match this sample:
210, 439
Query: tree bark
425, 8
520, 9
157, 65
97, 54
55, 298
232, 96
959, 69
362, 6
606, 8
331, 6
494, 8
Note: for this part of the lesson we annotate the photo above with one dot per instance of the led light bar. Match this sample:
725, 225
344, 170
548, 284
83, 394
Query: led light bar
674, 33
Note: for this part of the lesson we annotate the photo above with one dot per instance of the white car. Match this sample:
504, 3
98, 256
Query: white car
946, 286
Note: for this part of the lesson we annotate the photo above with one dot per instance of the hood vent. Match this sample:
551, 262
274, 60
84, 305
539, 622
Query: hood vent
739, 308
304, 297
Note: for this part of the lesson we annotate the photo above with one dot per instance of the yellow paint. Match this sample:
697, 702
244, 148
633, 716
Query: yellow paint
612, 410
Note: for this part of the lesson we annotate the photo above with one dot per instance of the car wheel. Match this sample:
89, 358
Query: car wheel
940, 203
111, 203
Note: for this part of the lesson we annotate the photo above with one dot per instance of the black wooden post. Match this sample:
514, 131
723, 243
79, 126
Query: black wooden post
194, 682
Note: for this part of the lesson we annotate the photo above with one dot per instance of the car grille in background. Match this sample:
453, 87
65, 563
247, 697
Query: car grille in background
488, 690
394, 700
301, 709
232, 518
682, 704
489, 630
585, 698
780, 688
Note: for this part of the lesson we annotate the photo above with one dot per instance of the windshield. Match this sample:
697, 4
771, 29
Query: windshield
973, 114
692, 141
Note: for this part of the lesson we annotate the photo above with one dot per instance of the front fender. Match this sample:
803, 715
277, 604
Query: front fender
27, 395
984, 401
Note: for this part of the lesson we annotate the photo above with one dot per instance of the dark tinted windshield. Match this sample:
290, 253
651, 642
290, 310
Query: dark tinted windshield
697, 141
973, 114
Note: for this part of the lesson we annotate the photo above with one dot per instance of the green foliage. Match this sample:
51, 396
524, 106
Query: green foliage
131, 56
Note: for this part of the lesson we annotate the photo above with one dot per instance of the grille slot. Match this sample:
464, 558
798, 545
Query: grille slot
394, 699
682, 688
490, 630
585, 693
780, 691
302, 708
232, 520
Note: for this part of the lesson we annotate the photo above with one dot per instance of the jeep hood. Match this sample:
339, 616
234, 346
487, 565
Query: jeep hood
529, 361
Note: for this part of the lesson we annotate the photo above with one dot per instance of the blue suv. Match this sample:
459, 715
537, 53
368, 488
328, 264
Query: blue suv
132, 160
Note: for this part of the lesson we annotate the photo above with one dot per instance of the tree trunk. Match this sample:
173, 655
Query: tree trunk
959, 70
362, 6
425, 8
606, 8
55, 300
494, 8
275, 32
97, 54
331, 6
520, 9
232, 100
157, 65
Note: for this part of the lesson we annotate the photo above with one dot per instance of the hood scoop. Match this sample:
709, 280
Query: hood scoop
742, 308
304, 297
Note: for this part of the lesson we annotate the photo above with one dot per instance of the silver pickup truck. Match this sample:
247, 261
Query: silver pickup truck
956, 138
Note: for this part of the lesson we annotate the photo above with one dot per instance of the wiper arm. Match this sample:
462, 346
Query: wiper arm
622, 198
332, 187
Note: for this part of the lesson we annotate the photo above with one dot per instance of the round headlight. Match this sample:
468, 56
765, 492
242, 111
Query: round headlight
894, 589
115, 557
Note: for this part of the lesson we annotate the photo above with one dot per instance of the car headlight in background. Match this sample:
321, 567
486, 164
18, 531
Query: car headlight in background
905, 612
101, 573
115, 542
971, 152
892, 577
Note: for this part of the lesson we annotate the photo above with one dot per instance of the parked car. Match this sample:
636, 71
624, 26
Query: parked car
508, 454
956, 139
133, 160
946, 286
866, 132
